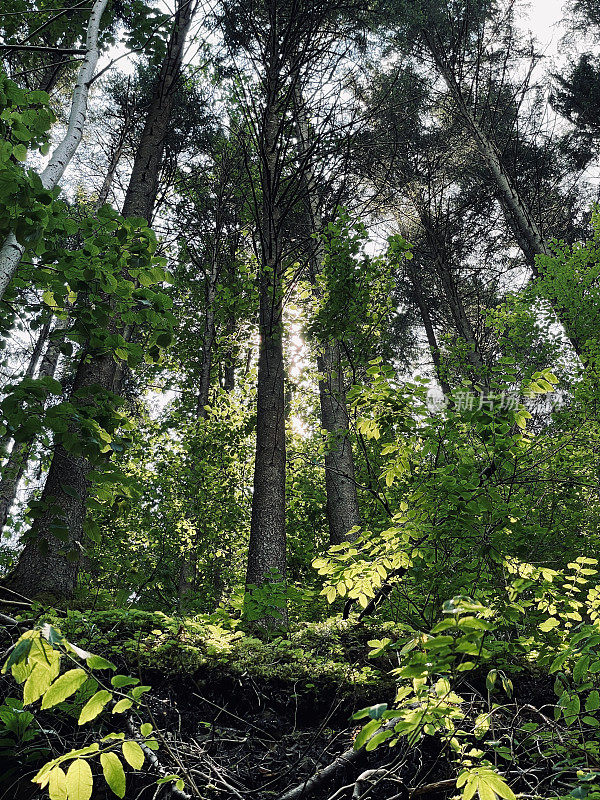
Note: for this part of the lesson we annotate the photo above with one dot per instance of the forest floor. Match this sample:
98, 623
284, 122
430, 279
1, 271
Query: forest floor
237, 717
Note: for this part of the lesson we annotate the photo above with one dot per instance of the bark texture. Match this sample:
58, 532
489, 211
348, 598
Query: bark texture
267, 548
49, 562
343, 512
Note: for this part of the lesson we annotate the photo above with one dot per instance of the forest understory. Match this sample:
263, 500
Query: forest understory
238, 731
299, 400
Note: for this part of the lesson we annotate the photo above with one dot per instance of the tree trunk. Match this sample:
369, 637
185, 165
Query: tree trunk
430, 333
343, 511
438, 251
206, 358
52, 73
267, 548
29, 373
229, 359
340, 485
10, 470
113, 163
462, 323
143, 184
49, 562
11, 251
209, 335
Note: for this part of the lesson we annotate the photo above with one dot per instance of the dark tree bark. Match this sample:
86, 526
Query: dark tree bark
210, 331
229, 358
343, 512
437, 249
49, 562
267, 548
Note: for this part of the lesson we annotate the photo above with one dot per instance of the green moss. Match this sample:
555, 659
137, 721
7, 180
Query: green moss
333, 653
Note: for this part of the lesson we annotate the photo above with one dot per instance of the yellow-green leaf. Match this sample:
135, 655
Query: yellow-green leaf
57, 786
79, 780
133, 754
113, 772
94, 706
39, 680
64, 687
548, 624
122, 705
97, 662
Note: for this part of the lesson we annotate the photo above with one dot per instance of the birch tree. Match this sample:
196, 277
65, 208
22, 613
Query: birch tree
11, 250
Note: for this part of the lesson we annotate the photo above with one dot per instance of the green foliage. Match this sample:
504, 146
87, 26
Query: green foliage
459, 486
316, 658
36, 661
570, 280
549, 619
26, 207
20, 739
353, 288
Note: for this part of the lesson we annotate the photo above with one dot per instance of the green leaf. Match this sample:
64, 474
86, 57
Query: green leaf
593, 701
548, 624
167, 779
79, 780
376, 712
366, 733
94, 706
64, 687
571, 709
146, 729
470, 789
38, 682
97, 662
122, 705
501, 788
482, 725
376, 740
20, 652
57, 786
581, 668
113, 771
20, 152
119, 681
138, 691
133, 754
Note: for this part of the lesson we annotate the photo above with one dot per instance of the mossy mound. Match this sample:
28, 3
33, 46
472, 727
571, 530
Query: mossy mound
313, 657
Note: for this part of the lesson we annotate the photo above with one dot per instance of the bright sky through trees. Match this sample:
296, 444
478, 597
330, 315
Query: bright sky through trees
544, 14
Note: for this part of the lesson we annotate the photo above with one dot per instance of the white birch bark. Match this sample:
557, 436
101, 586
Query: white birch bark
11, 251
